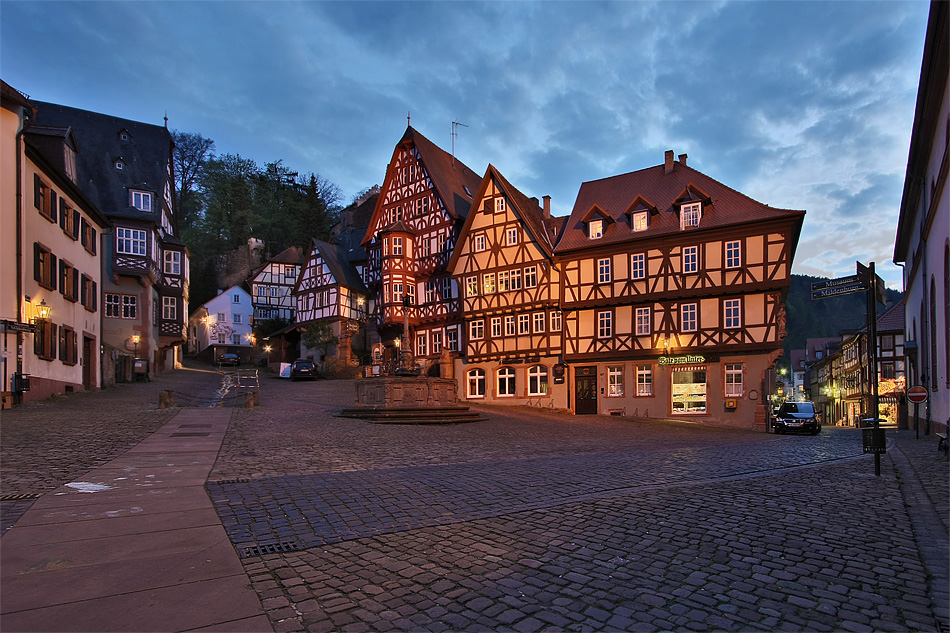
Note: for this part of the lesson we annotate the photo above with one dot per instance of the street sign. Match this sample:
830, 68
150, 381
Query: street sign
834, 291
880, 290
917, 395
831, 283
16, 326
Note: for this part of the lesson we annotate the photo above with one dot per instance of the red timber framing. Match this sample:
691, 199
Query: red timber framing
423, 201
504, 268
666, 266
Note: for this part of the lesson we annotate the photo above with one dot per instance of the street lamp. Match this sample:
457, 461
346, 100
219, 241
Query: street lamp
135, 339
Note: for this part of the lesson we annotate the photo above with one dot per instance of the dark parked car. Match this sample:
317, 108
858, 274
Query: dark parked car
798, 417
232, 360
303, 370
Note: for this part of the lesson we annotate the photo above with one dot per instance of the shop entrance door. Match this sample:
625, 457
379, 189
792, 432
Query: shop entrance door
585, 389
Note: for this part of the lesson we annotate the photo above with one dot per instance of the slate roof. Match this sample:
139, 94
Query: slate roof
615, 195
341, 267
455, 183
892, 320
146, 156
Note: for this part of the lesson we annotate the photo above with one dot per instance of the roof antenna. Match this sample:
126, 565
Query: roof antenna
166, 119
455, 125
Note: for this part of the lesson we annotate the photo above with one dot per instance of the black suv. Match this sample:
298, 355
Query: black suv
303, 370
798, 417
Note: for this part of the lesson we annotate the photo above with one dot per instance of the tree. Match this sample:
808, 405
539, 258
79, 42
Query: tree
319, 336
191, 153
229, 194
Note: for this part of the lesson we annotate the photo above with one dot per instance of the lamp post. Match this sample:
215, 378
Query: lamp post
135, 339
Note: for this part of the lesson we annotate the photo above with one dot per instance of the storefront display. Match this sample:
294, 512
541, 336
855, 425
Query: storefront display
689, 390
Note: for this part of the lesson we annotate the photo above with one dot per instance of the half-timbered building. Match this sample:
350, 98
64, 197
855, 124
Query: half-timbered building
504, 265
272, 286
126, 169
330, 291
672, 292
423, 201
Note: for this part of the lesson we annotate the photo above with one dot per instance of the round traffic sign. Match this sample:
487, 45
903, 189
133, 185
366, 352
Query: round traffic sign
917, 394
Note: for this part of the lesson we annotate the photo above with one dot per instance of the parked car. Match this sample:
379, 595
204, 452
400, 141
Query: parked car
798, 417
232, 360
303, 370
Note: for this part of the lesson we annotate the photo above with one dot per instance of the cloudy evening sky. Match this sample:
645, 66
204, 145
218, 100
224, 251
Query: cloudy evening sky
801, 105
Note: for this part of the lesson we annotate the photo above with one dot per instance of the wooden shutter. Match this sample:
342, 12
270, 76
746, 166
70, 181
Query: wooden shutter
75, 284
52, 204
52, 271
37, 263
62, 213
95, 296
78, 222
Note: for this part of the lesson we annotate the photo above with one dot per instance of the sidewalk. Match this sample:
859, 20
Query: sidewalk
134, 546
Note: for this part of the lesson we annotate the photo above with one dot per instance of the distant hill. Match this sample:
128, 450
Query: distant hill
824, 317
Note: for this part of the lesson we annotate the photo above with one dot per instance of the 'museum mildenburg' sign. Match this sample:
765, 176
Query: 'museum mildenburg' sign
681, 360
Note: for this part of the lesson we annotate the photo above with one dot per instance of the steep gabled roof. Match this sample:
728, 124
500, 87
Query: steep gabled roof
616, 194
291, 255
893, 319
340, 266
454, 182
146, 155
544, 231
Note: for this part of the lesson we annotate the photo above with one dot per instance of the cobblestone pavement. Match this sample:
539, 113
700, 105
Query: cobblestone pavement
534, 520
541, 521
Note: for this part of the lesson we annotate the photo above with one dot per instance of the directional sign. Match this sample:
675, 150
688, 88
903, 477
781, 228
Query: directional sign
880, 290
917, 394
16, 326
834, 291
832, 283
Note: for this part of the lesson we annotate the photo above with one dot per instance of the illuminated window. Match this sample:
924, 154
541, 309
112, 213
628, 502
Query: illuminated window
690, 215
733, 379
614, 381
641, 220
595, 229
644, 380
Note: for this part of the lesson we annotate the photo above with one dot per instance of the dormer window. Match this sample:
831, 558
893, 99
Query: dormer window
123, 135
119, 164
641, 221
142, 200
690, 215
595, 229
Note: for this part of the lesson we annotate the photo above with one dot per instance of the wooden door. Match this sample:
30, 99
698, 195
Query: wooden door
585, 389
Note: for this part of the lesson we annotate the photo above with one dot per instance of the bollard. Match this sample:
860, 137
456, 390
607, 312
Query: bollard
251, 399
166, 399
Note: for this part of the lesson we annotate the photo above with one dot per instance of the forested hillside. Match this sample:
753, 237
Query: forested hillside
824, 317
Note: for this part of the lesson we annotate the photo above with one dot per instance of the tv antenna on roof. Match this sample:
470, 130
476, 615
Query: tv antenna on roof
455, 125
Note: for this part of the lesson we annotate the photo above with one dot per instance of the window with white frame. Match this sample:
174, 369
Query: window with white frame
422, 344
644, 380
169, 308
476, 383
290, 272
638, 269
481, 242
524, 324
516, 280
733, 380
236, 317
142, 200
605, 324
426, 247
555, 320
690, 259
511, 236
130, 307
130, 241
538, 380
530, 276
503, 281
397, 291
643, 322
614, 381
172, 263
690, 215
236, 298
595, 229
603, 270
274, 291
732, 309
488, 282
222, 317
510, 325
641, 220
437, 342
538, 322
499, 205
496, 327
262, 291
397, 246
733, 254
477, 330
471, 286
452, 340
688, 317
506, 382
446, 289
236, 339
430, 292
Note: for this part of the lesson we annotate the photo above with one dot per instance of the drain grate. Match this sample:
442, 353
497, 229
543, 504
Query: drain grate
239, 480
190, 434
21, 497
270, 548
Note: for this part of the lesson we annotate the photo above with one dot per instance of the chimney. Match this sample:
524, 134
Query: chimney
668, 162
683, 160
547, 207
